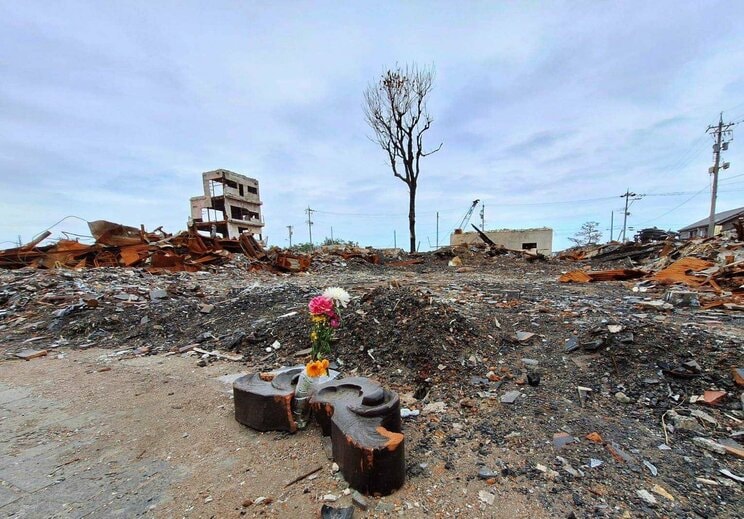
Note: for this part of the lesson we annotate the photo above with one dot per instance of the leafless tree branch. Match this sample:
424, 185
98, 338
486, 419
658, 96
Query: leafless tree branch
395, 109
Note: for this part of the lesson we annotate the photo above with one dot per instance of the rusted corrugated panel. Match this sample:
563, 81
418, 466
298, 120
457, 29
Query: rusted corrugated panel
206, 259
677, 272
133, 254
576, 276
575, 255
165, 260
291, 262
582, 276
195, 243
616, 275
251, 247
65, 253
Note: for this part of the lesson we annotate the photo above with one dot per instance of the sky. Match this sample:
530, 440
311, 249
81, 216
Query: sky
547, 111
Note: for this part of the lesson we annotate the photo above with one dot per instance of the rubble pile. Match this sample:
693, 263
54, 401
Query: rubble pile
188, 251
118, 245
712, 267
585, 396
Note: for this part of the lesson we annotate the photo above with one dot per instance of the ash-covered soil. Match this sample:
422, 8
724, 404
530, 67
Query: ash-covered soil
453, 342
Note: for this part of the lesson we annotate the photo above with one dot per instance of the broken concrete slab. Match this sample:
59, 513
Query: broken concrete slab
561, 439
510, 397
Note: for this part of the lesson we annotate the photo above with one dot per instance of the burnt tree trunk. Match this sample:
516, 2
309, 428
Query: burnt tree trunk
412, 214
395, 109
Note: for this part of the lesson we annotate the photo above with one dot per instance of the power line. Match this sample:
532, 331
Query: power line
527, 204
728, 179
673, 209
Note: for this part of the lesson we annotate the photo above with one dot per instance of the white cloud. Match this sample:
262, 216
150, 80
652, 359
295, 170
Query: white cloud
114, 110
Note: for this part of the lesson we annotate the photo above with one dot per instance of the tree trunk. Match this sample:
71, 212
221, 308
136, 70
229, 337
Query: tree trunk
412, 214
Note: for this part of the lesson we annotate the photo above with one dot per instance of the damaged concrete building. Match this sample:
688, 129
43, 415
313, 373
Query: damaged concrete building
538, 240
231, 205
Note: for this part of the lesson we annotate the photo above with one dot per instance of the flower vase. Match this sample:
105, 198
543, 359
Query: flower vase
306, 386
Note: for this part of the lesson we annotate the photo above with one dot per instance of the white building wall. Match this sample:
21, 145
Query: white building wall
511, 239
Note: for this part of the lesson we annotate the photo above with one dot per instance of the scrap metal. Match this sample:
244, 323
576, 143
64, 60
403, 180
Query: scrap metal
118, 245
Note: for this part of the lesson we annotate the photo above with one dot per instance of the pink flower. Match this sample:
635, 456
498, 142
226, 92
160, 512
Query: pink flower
320, 305
334, 323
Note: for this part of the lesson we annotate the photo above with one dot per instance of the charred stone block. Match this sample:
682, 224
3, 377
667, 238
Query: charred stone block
363, 421
266, 405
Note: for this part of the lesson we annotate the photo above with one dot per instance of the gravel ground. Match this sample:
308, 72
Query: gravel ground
452, 342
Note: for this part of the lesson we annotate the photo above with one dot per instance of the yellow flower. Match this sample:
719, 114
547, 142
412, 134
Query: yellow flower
313, 336
317, 368
318, 318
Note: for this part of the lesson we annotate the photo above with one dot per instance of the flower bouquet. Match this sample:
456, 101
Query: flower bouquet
325, 318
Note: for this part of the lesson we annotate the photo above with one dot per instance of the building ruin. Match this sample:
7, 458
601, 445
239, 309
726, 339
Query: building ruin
537, 240
230, 206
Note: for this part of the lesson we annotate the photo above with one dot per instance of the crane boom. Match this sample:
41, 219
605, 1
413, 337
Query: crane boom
466, 218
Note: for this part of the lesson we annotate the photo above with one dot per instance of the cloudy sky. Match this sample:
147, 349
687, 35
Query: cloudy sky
548, 111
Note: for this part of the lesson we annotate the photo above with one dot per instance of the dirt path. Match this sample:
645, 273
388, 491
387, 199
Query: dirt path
89, 436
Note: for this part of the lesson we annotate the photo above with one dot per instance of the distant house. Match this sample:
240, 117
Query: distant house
724, 222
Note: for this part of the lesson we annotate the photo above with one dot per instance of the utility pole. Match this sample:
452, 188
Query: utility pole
628, 200
395, 240
289, 228
310, 224
437, 230
612, 224
331, 234
719, 132
483, 216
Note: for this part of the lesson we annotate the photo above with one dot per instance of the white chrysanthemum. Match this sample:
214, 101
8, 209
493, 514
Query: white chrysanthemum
340, 296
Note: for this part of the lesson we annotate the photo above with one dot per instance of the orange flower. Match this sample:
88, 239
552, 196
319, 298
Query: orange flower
317, 368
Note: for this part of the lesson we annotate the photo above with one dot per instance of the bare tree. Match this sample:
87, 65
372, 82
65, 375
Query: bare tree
589, 234
395, 109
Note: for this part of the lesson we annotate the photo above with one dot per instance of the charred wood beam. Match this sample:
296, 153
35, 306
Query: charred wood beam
361, 417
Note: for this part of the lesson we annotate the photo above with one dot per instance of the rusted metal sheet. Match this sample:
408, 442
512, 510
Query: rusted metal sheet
133, 254
106, 258
575, 276
65, 253
584, 276
251, 247
115, 234
678, 272
195, 243
366, 256
292, 262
